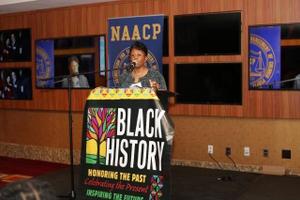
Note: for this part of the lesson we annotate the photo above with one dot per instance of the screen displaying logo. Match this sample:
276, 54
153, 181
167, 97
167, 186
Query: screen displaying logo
264, 57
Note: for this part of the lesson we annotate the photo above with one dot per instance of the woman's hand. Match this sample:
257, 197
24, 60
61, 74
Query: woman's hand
154, 84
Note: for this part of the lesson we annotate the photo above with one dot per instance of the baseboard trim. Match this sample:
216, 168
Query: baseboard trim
271, 170
50, 154
61, 155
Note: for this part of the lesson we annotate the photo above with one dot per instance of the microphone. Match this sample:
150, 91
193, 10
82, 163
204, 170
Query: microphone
130, 66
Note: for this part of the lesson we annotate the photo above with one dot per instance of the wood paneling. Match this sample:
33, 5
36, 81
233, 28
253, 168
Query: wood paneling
92, 20
181, 7
258, 134
293, 42
272, 11
48, 129
207, 59
206, 110
74, 51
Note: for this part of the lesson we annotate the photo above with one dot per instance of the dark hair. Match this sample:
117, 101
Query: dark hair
73, 58
28, 190
139, 46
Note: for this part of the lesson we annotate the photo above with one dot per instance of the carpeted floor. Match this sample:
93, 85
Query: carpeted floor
15, 169
189, 183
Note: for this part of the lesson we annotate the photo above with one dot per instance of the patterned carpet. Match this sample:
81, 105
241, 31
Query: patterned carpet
15, 169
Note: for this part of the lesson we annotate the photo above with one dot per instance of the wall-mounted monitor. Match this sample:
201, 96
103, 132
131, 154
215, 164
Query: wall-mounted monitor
15, 45
207, 34
15, 83
274, 57
76, 62
209, 83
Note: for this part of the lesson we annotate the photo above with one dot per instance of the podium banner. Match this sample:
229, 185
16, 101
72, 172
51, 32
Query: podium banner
125, 154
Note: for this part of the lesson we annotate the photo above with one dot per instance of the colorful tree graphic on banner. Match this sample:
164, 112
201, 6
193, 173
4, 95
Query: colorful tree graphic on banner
101, 124
156, 187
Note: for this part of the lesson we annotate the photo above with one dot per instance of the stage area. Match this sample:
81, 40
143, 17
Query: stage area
189, 183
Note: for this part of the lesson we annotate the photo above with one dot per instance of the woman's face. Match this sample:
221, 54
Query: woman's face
13, 76
74, 67
138, 57
8, 79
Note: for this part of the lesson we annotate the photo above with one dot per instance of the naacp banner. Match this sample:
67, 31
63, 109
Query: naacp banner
122, 32
264, 57
125, 153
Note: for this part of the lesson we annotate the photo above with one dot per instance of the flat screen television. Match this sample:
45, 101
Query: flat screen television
213, 83
86, 69
286, 71
15, 45
208, 34
77, 62
290, 70
15, 83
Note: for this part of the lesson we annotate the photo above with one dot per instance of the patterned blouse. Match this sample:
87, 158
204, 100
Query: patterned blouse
126, 79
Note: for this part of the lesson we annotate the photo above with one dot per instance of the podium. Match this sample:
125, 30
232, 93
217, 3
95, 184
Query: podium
126, 141
164, 96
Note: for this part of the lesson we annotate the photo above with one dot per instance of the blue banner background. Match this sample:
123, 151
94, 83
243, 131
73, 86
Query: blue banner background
264, 57
118, 47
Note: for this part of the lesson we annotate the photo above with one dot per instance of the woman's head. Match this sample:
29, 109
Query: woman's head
139, 46
32, 189
2, 75
73, 65
138, 54
14, 76
8, 79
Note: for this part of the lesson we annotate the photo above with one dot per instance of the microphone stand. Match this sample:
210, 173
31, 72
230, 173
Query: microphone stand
286, 81
72, 194
271, 84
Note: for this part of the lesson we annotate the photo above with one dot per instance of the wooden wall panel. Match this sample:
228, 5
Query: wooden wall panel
39, 122
206, 110
272, 11
48, 129
92, 20
194, 134
205, 6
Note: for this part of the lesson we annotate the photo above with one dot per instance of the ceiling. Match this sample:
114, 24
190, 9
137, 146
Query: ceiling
13, 6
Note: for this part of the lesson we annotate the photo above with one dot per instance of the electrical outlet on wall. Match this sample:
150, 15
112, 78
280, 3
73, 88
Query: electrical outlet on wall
227, 151
246, 151
265, 152
286, 154
210, 149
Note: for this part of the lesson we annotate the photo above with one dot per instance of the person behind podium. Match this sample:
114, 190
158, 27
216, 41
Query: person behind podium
141, 75
297, 82
77, 80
